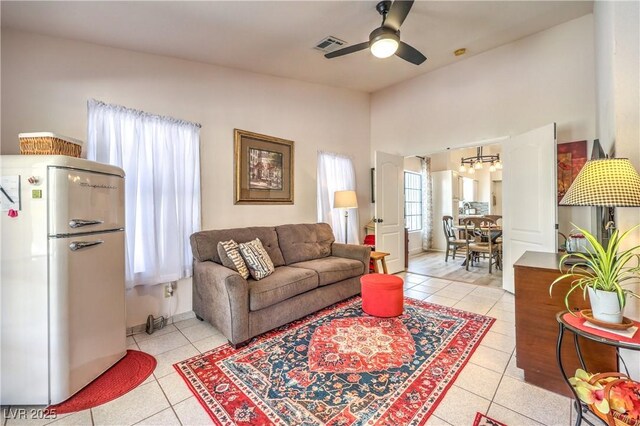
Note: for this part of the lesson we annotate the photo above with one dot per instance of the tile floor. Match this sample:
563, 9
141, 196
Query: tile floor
490, 383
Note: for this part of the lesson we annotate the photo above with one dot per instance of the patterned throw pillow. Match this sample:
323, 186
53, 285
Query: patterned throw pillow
231, 258
257, 259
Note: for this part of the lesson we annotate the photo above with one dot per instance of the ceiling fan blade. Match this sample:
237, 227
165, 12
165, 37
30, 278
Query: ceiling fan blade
410, 54
346, 50
397, 14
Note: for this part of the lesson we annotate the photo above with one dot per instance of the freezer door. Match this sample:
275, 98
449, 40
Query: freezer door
87, 309
81, 201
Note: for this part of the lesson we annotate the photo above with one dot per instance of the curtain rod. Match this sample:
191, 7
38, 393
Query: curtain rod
143, 113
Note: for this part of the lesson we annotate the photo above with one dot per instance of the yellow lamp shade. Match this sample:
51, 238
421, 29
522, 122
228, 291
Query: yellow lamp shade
345, 200
611, 182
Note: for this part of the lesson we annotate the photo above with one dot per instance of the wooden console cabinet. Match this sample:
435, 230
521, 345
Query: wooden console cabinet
537, 328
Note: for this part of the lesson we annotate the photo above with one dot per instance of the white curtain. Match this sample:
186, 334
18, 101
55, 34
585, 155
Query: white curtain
161, 159
427, 204
336, 173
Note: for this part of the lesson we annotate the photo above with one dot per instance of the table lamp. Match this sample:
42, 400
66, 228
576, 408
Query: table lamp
345, 200
609, 182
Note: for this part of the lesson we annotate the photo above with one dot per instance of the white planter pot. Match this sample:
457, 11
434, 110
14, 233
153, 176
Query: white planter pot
605, 306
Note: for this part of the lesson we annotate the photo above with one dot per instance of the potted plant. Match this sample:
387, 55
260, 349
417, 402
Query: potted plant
603, 273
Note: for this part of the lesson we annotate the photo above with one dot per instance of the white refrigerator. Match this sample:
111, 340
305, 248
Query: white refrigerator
62, 318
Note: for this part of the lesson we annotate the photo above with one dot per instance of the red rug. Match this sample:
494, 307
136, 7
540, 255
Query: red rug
122, 377
484, 420
339, 366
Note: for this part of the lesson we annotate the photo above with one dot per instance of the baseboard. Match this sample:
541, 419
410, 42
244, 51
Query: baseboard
413, 252
140, 328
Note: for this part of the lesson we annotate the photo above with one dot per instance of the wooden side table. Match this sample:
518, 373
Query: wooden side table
537, 328
379, 256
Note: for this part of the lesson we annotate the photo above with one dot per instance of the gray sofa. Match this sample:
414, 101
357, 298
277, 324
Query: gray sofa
312, 272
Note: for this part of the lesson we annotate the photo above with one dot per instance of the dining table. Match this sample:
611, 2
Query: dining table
496, 232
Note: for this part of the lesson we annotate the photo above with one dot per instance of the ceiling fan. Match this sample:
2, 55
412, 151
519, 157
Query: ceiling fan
385, 40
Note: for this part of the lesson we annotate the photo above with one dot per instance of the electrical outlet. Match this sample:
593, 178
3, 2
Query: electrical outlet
168, 290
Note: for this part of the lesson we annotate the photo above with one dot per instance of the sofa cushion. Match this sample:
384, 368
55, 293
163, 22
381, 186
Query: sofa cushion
231, 258
332, 269
307, 241
285, 282
257, 259
204, 244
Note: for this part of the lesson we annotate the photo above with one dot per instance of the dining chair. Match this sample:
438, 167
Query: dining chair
496, 236
477, 232
453, 242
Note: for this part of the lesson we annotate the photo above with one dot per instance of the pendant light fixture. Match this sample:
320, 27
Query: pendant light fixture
477, 162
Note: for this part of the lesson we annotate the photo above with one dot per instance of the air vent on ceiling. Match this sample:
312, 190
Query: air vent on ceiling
329, 44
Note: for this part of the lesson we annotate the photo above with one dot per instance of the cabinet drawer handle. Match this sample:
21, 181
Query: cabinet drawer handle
77, 245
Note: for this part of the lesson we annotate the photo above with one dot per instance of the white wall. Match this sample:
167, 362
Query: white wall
509, 90
46, 83
618, 78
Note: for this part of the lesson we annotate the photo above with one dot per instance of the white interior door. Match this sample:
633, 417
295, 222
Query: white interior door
529, 196
389, 209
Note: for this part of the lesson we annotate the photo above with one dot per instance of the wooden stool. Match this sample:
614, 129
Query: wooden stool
379, 255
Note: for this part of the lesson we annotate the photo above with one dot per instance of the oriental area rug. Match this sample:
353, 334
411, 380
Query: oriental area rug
484, 420
339, 366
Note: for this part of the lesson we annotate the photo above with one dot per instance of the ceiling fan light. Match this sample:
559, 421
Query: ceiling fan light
384, 47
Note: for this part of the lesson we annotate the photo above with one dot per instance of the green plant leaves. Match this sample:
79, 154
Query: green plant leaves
602, 268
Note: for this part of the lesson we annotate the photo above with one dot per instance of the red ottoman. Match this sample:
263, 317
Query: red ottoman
382, 295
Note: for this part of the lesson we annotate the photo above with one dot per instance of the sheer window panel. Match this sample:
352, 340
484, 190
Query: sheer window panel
161, 160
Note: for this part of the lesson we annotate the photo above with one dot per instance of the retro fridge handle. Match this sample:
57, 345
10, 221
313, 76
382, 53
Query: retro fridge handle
77, 245
78, 223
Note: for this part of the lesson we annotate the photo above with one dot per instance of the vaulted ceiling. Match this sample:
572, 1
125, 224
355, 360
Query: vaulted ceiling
277, 37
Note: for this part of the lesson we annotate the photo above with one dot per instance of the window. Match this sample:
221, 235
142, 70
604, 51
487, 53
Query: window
161, 159
336, 173
413, 201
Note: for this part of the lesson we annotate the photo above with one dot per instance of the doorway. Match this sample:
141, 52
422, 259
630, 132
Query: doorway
530, 216
461, 193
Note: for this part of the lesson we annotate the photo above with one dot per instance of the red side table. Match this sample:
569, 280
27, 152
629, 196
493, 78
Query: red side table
575, 324
382, 295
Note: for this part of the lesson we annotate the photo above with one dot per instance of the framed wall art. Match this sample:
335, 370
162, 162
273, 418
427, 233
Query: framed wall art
571, 158
263, 169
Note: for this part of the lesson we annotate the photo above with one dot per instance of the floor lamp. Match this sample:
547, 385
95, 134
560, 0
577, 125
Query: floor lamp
609, 183
345, 200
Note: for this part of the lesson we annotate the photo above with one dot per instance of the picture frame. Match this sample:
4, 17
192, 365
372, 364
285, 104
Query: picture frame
571, 157
263, 169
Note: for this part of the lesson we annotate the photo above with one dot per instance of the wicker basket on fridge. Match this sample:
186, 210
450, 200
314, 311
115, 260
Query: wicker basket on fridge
46, 143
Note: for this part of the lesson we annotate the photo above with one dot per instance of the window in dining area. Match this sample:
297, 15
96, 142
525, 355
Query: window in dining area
412, 201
